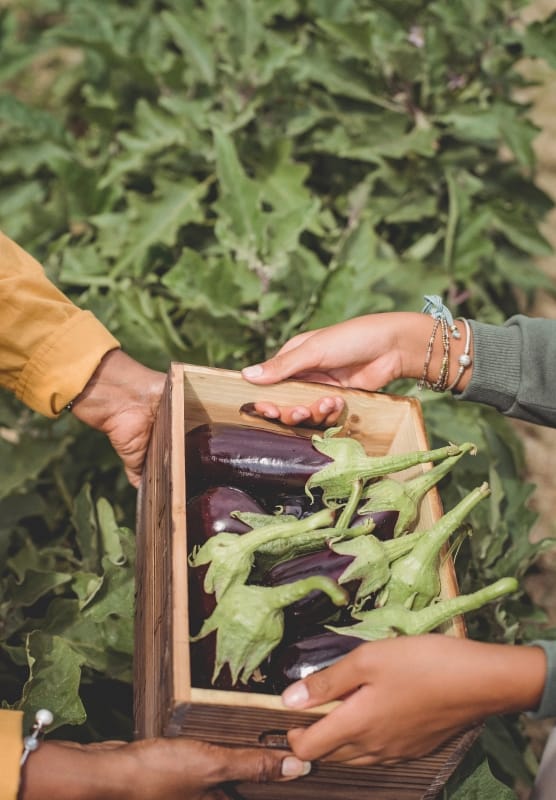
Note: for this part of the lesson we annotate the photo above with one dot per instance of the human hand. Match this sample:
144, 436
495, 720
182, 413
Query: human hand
403, 697
121, 400
150, 769
363, 353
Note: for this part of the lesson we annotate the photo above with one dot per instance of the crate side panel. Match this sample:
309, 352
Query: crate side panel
418, 779
177, 581
153, 675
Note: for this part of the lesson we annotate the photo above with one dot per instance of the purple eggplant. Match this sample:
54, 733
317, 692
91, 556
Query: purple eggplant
306, 656
360, 564
295, 505
249, 623
207, 515
210, 512
316, 606
264, 463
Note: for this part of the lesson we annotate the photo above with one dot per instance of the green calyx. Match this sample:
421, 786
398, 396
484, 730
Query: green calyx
249, 622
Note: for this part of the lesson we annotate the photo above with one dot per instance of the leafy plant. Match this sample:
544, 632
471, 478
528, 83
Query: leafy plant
211, 176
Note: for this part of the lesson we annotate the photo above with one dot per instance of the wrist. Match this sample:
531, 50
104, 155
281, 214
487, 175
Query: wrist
510, 678
118, 383
416, 331
66, 771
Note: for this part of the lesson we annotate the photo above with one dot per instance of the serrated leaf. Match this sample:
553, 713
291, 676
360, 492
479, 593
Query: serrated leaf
53, 683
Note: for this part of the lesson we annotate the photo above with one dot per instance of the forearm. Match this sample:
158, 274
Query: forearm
71, 772
506, 678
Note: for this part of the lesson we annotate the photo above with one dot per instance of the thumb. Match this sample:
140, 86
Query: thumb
303, 358
261, 765
333, 683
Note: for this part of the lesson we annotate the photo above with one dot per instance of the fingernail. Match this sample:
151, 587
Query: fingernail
253, 372
295, 696
327, 405
292, 767
297, 416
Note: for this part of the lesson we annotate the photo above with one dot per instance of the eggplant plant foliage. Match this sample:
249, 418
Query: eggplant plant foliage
210, 177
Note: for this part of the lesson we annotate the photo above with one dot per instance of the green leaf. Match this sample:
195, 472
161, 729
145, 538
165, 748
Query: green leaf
157, 220
239, 203
53, 683
482, 785
24, 461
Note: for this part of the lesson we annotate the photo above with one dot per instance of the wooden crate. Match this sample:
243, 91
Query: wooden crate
165, 702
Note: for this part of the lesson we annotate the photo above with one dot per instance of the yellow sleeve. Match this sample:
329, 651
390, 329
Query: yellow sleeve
49, 348
11, 746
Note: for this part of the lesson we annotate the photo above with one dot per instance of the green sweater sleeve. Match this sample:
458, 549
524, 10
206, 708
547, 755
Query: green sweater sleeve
547, 707
514, 368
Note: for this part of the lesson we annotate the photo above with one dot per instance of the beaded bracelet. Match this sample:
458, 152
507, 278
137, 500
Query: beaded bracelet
442, 380
43, 718
440, 384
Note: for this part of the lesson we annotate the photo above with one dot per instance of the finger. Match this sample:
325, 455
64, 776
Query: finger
349, 752
285, 364
259, 765
287, 415
323, 412
326, 411
328, 684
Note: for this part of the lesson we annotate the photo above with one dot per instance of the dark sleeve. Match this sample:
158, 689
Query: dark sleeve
514, 368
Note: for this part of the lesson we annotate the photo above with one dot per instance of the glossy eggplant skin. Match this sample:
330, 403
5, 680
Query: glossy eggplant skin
385, 522
262, 462
306, 656
316, 606
208, 514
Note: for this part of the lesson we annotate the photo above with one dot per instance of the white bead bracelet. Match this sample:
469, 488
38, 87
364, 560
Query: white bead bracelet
43, 718
465, 359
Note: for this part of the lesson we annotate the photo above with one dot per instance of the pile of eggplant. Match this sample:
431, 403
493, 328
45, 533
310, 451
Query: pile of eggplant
302, 548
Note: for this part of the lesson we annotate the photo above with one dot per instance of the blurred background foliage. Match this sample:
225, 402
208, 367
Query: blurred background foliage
209, 177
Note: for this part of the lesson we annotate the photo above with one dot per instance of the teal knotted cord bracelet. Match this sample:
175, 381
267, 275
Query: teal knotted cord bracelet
436, 308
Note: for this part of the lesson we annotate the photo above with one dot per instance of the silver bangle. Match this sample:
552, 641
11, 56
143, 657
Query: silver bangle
465, 359
43, 718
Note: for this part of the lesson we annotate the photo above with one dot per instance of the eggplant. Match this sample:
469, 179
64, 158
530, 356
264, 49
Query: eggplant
361, 565
315, 607
249, 623
262, 462
296, 505
208, 514
385, 522
203, 655
306, 656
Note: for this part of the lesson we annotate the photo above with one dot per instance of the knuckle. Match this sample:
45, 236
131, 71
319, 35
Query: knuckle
319, 684
266, 767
